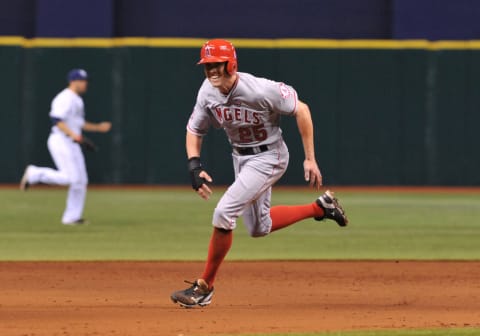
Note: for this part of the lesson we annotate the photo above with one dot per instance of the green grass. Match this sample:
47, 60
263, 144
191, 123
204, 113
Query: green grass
175, 225
403, 332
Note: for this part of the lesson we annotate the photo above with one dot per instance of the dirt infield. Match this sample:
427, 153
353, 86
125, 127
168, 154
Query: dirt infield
132, 298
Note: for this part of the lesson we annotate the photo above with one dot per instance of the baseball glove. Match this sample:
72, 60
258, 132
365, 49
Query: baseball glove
88, 144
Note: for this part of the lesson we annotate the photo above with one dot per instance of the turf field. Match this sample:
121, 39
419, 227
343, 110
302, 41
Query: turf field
174, 224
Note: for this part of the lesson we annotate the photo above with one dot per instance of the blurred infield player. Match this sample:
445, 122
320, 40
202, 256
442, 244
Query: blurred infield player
248, 108
68, 121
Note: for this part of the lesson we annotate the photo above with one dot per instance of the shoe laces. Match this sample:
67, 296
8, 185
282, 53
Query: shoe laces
337, 205
194, 289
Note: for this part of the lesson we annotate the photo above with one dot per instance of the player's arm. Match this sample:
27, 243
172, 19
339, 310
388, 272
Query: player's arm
62, 126
305, 127
193, 144
101, 127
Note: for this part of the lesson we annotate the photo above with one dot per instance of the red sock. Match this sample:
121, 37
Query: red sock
283, 215
220, 244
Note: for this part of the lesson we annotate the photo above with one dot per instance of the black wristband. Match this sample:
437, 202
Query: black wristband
194, 163
195, 168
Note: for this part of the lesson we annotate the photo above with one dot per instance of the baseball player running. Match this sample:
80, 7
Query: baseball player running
68, 121
248, 108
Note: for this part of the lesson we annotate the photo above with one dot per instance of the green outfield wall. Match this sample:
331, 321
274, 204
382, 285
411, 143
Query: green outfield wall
385, 112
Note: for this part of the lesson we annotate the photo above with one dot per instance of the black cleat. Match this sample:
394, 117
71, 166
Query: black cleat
196, 295
80, 221
332, 209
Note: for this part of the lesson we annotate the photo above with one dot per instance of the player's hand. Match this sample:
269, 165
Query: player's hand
104, 127
78, 138
204, 191
312, 173
88, 144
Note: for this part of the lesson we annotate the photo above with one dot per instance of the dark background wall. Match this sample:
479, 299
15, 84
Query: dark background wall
339, 19
381, 116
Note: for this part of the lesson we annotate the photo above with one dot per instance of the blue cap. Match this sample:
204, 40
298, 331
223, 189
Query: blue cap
77, 74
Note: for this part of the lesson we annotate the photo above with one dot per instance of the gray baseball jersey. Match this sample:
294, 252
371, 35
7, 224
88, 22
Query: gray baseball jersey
249, 114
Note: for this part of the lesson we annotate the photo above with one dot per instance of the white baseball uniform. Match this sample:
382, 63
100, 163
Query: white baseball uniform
68, 107
250, 115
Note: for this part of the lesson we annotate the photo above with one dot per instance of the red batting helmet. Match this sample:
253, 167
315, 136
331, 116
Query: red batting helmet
219, 51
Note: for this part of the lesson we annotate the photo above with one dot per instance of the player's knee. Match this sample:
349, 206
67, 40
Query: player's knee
223, 231
79, 181
258, 227
223, 226
66, 179
258, 233
222, 219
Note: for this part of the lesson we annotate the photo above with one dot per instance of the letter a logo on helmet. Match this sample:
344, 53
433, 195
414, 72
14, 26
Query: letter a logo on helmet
207, 51
219, 51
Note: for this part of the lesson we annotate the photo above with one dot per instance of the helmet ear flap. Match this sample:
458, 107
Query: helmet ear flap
232, 67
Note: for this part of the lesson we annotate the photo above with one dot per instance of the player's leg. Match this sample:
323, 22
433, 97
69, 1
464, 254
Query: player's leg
68, 158
256, 217
260, 219
253, 176
46, 175
60, 152
218, 248
221, 240
78, 187
286, 215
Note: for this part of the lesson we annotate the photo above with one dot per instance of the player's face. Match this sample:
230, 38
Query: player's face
82, 86
216, 73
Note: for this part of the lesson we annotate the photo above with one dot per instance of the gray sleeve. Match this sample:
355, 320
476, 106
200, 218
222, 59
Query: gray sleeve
200, 120
281, 98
